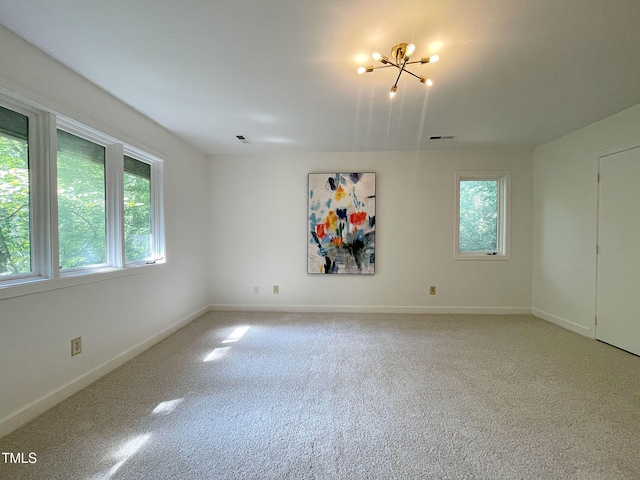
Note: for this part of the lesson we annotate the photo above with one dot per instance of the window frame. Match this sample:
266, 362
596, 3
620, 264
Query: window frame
157, 207
39, 192
43, 197
503, 251
103, 141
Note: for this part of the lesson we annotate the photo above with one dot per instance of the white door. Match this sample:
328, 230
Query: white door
618, 291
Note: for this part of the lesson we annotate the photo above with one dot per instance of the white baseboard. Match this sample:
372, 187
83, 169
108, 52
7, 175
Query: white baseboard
41, 405
370, 309
564, 323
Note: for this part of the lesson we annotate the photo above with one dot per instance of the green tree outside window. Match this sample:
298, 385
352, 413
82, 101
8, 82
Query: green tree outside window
478, 216
15, 244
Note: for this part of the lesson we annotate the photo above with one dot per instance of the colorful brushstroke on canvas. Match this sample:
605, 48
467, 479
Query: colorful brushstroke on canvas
342, 223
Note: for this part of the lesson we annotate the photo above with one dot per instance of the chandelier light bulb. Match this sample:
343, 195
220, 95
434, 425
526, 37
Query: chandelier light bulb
426, 81
400, 59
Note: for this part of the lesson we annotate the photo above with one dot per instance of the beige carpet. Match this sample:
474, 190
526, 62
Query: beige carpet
349, 396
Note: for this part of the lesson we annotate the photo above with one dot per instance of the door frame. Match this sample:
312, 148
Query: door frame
601, 155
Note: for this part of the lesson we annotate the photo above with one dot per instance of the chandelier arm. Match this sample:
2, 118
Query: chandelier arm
400, 72
411, 73
401, 54
389, 63
386, 66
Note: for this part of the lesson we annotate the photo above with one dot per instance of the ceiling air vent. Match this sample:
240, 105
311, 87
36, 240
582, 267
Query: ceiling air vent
243, 139
441, 137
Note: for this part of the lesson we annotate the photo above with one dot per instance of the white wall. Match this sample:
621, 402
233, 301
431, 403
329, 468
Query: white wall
565, 220
259, 211
112, 316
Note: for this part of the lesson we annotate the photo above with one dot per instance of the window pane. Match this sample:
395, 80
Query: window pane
15, 245
137, 210
478, 216
81, 201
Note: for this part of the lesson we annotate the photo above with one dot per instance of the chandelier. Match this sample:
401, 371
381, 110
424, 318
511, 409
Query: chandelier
401, 54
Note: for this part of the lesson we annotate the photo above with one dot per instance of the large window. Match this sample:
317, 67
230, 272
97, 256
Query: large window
15, 231
81, 202
72, 204
482, 213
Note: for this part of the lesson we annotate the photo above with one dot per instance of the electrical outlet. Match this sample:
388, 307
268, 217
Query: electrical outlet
256, 289
432, 290
276, 289
76, 346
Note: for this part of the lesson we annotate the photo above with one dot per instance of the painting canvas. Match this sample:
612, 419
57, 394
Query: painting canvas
342, 223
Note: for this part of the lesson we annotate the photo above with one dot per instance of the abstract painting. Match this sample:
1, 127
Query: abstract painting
342, 223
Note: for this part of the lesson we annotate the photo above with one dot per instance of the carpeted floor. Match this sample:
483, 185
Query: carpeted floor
349, 396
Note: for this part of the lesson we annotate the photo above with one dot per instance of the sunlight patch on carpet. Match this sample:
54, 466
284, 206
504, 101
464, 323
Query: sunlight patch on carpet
217, 354
236, 335
122, 454
164, 408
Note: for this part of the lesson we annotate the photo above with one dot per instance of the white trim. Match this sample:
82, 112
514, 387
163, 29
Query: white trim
141, 155
617, 149
599, 156
564, 323
370, 309
480, 256
38, 188
50, 162
114, 204
158, 250
157, 214
87, 133
30, 285
503, 251
104, 141
44, 234
17, 419
39, 196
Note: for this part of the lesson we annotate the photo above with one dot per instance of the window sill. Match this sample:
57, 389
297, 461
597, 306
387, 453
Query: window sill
31, 285
480, 256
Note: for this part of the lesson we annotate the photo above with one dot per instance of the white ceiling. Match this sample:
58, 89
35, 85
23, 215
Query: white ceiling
513, 73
